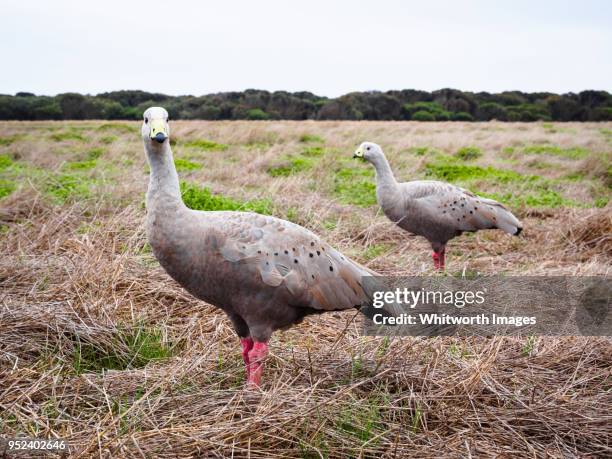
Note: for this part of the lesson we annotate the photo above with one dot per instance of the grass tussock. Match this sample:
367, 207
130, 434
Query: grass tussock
99, 346
592, 234
131, 347
468, 153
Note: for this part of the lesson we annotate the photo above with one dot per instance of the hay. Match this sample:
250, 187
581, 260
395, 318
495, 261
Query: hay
79, 288
592, 235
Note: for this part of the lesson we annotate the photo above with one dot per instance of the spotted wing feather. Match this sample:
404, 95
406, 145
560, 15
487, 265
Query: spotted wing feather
289, 256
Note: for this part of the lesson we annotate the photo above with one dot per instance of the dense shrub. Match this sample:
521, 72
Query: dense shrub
253, 104
422, 115
462, 116
491, 111
257, 114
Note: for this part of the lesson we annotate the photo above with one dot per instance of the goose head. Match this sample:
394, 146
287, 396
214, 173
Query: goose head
155, 126
368, 151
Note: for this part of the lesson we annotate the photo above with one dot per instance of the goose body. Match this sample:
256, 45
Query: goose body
438, 211
265, 273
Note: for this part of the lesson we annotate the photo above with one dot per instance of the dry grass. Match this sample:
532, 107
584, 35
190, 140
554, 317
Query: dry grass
98, 345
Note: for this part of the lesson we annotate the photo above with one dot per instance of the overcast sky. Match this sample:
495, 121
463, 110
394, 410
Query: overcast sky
327, 47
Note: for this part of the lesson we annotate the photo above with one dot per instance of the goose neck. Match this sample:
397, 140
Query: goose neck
164, 190
384, 174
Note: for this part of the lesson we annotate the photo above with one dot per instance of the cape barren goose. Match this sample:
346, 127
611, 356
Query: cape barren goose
437, 211
263, 272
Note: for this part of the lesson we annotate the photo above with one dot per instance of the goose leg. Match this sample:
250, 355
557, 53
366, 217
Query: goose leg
439, 259
257, 356
247, 345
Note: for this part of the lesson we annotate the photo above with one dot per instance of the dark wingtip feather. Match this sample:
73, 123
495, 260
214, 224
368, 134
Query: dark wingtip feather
518, 231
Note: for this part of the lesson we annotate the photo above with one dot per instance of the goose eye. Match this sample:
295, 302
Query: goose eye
367, 148
146, 120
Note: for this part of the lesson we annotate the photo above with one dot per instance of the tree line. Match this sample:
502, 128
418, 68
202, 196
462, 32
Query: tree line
254, 104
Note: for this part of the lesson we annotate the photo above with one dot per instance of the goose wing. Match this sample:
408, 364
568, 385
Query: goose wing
287, 256
452, 206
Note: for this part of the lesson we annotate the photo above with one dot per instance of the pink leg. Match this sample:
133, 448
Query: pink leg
247, 345
257, 357
439, 259
436, 260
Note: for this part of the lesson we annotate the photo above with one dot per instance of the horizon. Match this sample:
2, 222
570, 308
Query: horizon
302, 91
331, 49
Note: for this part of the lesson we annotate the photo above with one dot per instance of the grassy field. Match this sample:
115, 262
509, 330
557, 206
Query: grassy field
100, 347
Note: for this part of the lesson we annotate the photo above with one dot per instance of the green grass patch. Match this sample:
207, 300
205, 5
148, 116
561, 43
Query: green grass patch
206, 145
541, 165
537, 198
133, 347
574, 176
419, 151
468, 153
362, 421
68, 135
311, 138
355, 186
453, 172
290, 166
6, 141
552, 129
69, 186
330, 224
10, 171
95, 153
81, 165
528, 346
417, 418
313, 151
5, 162
202, 198
255, 145
184, 165
6, 187
108, 139
572, 153
526, 190
375, 251
119, 127
293, 215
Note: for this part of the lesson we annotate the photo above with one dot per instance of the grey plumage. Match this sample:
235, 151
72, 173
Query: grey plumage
264, 272
435, 210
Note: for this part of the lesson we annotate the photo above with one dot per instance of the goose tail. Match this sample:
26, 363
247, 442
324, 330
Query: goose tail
504, 219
